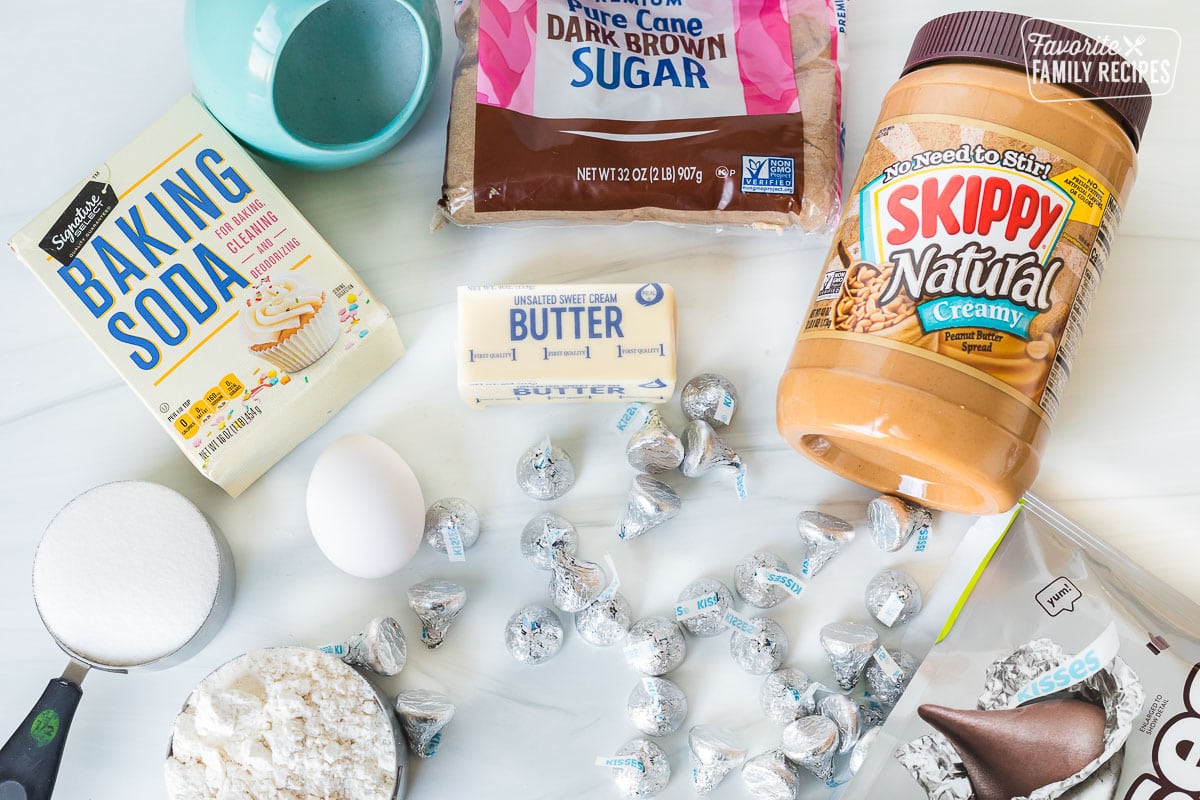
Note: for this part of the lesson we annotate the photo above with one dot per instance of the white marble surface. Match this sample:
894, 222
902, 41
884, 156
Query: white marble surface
80, 79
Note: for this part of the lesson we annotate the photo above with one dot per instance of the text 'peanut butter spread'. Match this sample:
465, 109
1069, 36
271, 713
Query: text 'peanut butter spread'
935, 350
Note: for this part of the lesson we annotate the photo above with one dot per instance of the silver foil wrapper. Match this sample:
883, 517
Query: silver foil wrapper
451, 526
844, 713
709, 397
422, 715
823, 536
862, 749
545, 471
883, 687
533, 634
936, 765
752, 589
651, 503
771, 776
893, 597
708, 622
654, 448
436, 603
715, 752
893, 521
811, 742
651, 774
605, 622
380, 648
703, 449
655, 646
762, 651
574, 583
544, 534
656, 706
849, 646
787, 695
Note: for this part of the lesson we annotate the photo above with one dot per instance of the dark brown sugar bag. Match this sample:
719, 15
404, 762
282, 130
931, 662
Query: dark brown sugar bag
710, 112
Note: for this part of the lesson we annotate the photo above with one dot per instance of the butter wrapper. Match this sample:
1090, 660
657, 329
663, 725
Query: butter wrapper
235, 322
566, 342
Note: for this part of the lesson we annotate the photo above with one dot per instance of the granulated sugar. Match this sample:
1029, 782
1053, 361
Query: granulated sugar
126, 573
284, 723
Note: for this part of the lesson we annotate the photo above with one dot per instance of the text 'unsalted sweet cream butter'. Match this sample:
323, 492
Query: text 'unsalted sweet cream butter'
566, 342
235, 322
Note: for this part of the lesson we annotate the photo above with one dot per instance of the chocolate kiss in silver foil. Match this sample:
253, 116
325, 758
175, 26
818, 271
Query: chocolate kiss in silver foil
708, 622
545, 471
849, 646
811, 743
846, 715
757, 592
862, 749
762, 651
533, 634
654, 448
715, 753
436, 603
423, 714
893, 521
709, 397
651, 778
380, 648
703, 450
883, 687
823, 536
786, 695
656, 706
893, 597
545, 533
605, 622
655, 646
451, 526
574, 583
651, 503
771, 776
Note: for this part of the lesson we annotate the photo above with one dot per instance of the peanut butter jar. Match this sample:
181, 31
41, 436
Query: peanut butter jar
940, 335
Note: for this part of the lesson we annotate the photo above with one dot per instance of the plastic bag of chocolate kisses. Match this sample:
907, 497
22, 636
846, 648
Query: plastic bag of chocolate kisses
1067, 672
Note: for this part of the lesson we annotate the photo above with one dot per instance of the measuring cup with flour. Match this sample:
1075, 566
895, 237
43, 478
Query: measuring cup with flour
129, 575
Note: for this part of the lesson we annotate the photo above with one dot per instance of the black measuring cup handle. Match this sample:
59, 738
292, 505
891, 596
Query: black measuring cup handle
29, 760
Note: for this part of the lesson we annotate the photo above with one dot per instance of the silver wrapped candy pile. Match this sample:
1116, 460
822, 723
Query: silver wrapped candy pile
654, 448
893, 597
714, 754
452, 527
422, 715
656, 706
761, 651
545, 471
702, 605
651, 503
823, 536
849, 646
654, 646
709, 397
894, 521
545, 534
640, 768
533, 634
605, 622
380, 648
436, 603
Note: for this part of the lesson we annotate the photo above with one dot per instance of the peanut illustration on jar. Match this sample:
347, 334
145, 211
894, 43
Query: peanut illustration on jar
858, 308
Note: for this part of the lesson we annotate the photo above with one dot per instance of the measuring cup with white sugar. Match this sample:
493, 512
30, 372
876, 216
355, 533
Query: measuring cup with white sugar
128, 576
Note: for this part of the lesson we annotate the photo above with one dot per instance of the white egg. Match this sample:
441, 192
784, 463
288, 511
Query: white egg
365, 507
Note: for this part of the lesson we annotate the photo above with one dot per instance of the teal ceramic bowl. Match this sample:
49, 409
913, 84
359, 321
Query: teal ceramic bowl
322, 84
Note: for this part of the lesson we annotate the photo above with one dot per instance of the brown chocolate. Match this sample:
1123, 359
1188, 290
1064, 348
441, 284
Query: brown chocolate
1011, 752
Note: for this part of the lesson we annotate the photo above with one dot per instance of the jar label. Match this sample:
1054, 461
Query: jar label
972, 246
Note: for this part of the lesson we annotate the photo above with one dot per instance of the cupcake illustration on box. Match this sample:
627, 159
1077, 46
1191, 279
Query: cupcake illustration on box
289, 324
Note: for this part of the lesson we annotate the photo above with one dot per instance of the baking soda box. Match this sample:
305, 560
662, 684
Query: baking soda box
235, 322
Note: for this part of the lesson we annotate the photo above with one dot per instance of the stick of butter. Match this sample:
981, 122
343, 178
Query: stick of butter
566, 342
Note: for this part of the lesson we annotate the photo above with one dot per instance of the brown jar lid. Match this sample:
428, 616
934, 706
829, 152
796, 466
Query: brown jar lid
995, 37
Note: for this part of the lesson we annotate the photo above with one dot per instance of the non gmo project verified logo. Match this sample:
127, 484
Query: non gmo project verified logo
768, 175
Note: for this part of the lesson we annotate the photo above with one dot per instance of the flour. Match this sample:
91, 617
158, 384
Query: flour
283, 723
126, 573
